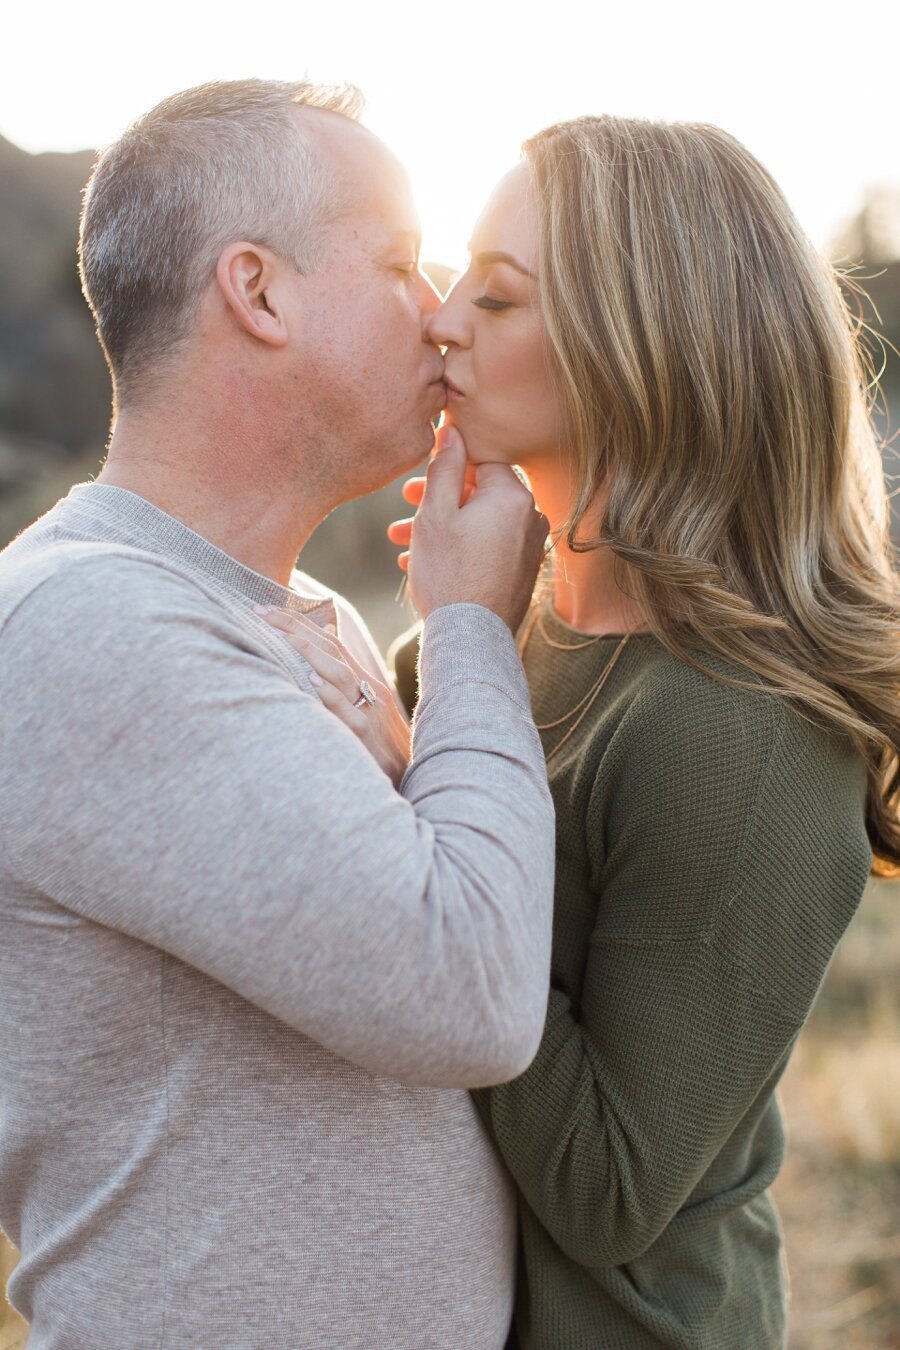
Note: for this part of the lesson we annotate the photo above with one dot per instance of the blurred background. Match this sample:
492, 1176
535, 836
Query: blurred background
455, 90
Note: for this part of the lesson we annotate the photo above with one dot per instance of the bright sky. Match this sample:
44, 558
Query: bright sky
455, 88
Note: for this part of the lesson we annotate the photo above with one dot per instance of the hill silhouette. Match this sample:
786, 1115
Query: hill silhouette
54, 388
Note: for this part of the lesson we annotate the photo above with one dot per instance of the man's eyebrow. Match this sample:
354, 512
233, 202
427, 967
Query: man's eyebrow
485, 260
407, 237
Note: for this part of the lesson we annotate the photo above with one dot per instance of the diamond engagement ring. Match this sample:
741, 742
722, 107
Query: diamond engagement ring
367, 695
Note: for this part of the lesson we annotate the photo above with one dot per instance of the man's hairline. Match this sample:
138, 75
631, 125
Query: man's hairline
340, 184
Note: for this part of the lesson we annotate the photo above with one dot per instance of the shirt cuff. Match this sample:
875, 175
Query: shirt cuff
469, 644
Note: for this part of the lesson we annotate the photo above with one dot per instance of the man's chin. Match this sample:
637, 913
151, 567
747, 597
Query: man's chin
416, 450
422, 446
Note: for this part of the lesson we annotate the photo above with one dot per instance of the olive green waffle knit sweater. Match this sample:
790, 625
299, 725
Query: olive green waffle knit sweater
711, 850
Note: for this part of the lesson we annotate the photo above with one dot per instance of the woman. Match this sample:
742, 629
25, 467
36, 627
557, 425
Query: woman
715, 669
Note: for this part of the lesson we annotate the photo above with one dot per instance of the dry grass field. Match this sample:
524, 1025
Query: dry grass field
839, 1192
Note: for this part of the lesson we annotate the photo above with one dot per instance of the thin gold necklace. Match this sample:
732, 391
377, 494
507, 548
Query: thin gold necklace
584, 705
563, 646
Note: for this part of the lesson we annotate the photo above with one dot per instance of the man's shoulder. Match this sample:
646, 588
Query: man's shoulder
354, 630
63, 570
310, 587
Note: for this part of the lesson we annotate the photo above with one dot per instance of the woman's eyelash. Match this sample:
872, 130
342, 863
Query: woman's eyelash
487, 302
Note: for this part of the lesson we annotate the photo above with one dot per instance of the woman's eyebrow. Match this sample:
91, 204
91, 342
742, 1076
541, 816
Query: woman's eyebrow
485, 260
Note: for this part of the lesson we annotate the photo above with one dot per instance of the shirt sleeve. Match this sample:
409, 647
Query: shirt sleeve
161, 774
403, 658
729, 855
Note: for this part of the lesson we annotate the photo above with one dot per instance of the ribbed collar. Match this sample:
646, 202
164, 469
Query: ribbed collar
116, 513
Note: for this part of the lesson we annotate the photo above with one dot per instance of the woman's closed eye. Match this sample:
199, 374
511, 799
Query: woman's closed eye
488, 302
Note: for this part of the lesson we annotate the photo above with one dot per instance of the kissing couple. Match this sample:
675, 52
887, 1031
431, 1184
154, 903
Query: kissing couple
440, 1012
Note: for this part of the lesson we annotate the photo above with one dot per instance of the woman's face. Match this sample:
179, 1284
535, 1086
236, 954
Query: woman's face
501, 395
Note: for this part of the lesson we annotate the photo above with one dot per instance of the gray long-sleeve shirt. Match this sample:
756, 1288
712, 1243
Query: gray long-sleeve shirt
243, 981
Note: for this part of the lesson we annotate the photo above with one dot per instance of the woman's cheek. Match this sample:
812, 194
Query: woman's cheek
493, 434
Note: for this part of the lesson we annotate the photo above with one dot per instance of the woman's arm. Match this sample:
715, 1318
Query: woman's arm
728, 861
630, 1099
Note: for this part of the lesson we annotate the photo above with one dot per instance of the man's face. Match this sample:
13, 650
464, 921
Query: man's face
369, 378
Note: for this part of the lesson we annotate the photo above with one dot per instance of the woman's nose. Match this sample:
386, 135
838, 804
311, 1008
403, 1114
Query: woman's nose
446, 326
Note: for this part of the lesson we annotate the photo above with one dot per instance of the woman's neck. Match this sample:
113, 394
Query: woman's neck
589, 589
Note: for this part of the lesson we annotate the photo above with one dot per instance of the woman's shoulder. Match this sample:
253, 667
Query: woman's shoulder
711, 748
721, 811
708, 710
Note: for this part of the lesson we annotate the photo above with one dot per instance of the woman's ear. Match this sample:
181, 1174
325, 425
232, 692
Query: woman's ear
247, 276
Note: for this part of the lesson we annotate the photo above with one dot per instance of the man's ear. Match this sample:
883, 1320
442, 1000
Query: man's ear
247, 276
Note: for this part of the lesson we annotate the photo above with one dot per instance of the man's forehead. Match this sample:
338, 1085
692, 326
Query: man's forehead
368, 175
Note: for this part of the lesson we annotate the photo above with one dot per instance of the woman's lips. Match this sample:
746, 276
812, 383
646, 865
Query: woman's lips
452, 392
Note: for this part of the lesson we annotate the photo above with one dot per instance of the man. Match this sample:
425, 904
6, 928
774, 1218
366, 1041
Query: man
244, 981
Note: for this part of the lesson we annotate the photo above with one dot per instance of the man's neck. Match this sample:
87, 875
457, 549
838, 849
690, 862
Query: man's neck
221, 491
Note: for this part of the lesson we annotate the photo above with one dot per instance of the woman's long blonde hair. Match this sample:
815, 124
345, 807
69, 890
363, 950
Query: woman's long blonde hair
716, 388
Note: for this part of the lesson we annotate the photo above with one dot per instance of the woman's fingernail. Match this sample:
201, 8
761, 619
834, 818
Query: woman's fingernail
262, 609
331, 628
315, 679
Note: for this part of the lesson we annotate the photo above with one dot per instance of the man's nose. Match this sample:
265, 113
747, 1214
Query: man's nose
429, 296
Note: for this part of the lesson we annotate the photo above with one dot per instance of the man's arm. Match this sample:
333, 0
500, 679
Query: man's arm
403, 661
162, 775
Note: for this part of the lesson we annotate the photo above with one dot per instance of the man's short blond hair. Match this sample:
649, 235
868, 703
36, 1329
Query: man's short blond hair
221, 162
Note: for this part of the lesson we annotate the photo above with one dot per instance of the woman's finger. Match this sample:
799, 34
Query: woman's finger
331, 669
325, 654
290, 621
297, 628
403, 561
337, 702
